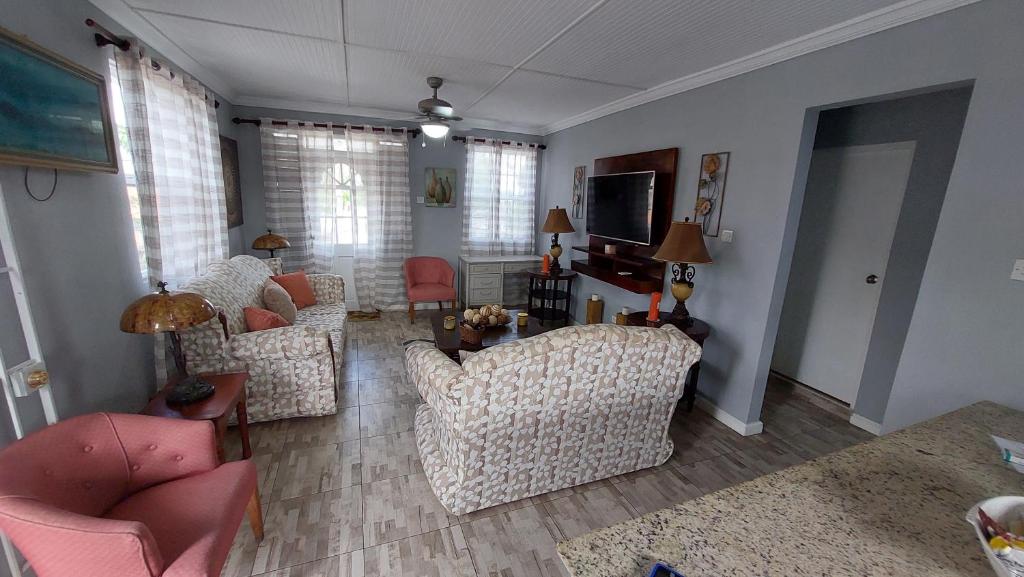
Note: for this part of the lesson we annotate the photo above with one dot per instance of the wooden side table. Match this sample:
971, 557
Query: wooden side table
697, 330
228, 395
544, 287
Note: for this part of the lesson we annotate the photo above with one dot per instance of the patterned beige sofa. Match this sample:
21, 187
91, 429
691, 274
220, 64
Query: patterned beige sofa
560, 409
293, 371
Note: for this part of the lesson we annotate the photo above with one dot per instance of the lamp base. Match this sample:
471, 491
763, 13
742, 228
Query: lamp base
188, 390
680, 316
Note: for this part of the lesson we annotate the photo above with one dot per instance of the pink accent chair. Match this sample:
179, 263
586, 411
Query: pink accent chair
127, 495
428, 279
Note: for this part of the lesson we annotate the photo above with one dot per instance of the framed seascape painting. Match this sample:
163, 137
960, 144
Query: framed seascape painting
53, 112
440, 189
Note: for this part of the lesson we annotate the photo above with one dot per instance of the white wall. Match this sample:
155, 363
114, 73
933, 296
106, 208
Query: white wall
963, 344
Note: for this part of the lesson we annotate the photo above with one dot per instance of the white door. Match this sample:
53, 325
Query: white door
851, 206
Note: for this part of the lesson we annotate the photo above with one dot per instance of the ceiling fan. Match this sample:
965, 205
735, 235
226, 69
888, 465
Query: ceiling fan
436, 114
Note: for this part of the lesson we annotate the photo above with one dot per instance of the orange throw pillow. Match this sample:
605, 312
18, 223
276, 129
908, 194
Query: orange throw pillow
298, 287
262, 319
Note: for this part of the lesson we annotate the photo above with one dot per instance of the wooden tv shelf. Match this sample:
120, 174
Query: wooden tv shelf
645, 275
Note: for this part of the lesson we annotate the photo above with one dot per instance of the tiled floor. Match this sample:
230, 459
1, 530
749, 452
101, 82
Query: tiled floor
346, 495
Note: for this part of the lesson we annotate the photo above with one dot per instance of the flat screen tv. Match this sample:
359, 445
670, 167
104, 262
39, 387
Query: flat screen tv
619, 206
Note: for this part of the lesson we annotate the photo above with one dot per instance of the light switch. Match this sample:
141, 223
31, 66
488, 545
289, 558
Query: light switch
1018, 270
726, 236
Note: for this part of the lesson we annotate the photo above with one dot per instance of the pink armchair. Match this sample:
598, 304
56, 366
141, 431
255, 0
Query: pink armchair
126, 495
428, 279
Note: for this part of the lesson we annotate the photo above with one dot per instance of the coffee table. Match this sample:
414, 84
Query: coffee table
450, 342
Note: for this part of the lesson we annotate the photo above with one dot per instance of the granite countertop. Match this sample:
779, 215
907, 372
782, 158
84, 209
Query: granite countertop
891, 507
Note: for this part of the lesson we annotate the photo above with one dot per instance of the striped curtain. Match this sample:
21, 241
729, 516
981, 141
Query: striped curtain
330, 188
501, 190
172, 129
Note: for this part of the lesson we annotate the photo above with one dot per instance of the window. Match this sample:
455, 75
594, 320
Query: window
128, 166
350, 217
498, 217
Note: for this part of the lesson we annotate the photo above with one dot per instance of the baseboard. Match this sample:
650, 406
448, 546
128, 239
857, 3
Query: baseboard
866, 424
745, 429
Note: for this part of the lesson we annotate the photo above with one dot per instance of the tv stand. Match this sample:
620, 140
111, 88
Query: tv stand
646, 275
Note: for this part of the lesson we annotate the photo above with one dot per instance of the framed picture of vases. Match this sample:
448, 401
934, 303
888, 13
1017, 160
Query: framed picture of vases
440, 188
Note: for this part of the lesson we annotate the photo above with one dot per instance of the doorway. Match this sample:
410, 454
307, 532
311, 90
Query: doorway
877, 174
851, 205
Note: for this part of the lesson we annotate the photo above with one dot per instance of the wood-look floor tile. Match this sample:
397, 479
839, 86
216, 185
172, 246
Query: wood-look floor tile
242, 554
379, 348
266, 437
519, 543
345, 565
350, 370
306, 432
382, 367
653, 489
401, 507
348, 394
588, 511
386, 418
267, 468
317, 469
309, 528
441, 553
387, 390
389, 456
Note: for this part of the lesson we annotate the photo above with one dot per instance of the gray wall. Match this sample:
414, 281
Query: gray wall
436, 231
935, 122
963, 343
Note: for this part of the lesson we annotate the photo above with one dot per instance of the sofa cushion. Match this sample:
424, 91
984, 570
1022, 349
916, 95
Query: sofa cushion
276, 299
298, 287
262, 319
431, 292
188, 517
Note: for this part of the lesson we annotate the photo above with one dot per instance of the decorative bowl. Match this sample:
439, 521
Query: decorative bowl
997, 508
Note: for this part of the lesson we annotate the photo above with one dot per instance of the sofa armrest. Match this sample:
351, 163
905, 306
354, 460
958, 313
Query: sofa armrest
204, 341
59, 542
430, 369
327, 288
294, 342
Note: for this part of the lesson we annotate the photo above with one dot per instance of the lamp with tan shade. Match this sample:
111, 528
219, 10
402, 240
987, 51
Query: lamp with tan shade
557, 222
683, 247
164, 312
271, 242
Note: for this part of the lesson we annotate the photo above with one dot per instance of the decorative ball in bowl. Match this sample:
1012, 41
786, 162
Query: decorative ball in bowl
486, 316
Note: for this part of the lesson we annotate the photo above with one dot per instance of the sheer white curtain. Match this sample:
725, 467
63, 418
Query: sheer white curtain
174, 140
498, 213
331, 188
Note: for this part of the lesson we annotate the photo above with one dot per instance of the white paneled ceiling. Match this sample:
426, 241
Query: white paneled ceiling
525, 65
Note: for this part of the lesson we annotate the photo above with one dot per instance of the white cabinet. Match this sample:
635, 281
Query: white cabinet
485, 280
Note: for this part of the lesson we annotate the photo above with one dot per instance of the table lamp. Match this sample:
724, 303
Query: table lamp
163, 312
557, 222
271, 242
683, 247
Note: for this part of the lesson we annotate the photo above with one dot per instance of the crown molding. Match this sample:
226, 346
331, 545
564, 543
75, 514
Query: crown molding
139, 27
323, 107
889, 17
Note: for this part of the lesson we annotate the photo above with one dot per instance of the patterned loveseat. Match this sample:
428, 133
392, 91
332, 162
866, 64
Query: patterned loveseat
560, 409
293, 371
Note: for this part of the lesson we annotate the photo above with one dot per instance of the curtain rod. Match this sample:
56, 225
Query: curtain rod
256, 121
105, 37
527, 144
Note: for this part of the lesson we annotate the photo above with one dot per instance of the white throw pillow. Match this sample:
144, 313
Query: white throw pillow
276, 299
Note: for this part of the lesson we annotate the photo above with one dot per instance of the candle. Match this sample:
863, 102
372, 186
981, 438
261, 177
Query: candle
522, 319
652, 314
546, 264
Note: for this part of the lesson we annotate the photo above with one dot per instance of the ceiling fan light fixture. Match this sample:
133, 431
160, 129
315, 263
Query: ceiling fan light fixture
435, 128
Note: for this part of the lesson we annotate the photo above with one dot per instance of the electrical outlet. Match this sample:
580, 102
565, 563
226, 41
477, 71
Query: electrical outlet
726, 236
419, 200
1018, 270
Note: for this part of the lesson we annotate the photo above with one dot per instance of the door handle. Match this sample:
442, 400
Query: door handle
872, 279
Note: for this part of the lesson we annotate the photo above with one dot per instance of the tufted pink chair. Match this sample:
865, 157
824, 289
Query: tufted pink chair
127, 495
428, 279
